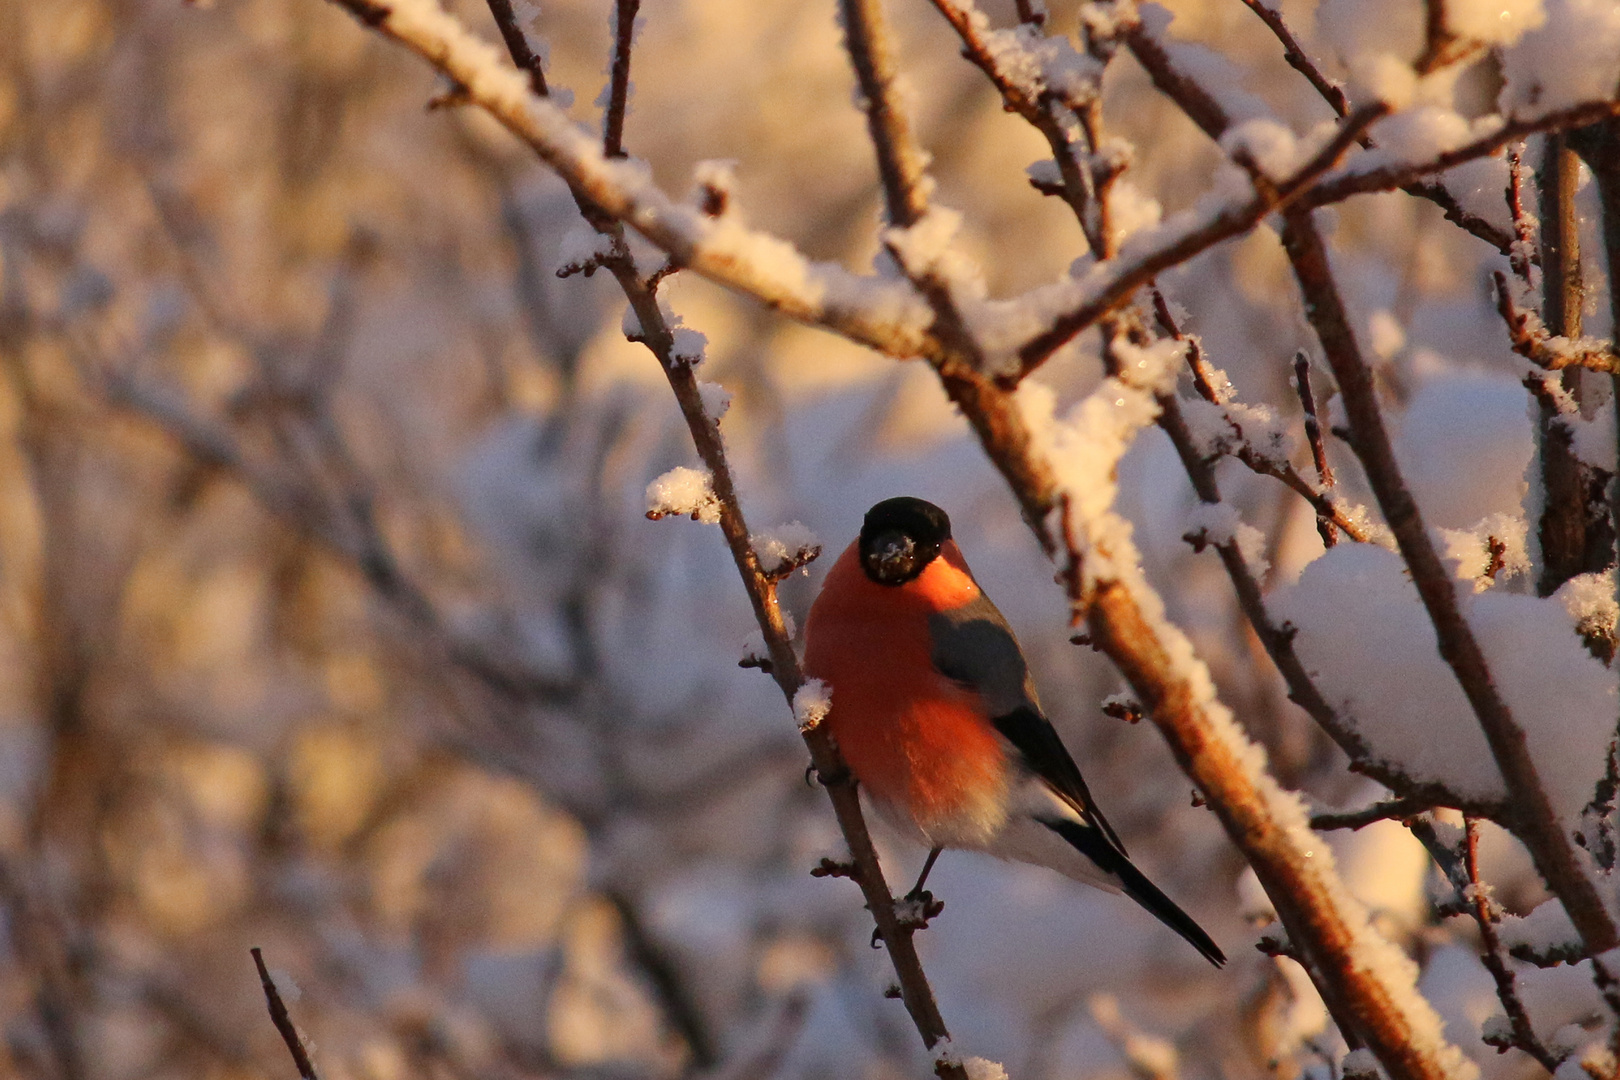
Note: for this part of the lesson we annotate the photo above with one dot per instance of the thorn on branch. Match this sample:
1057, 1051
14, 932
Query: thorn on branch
762, 663
892, 991
715, 199
1275, 943
671, 265
830, 868
583, 266
1497, 550
452, 97
1123, 708
1047, 187
1198, 799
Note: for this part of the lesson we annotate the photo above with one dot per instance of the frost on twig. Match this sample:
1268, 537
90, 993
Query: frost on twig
786, 548
1519, 1034
1552, 352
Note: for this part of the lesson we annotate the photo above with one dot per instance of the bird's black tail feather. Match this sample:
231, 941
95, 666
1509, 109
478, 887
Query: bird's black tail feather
1091, 843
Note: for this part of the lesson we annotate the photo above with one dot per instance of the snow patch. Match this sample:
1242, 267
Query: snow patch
786, 547
1392, 686
689, 492
812, 703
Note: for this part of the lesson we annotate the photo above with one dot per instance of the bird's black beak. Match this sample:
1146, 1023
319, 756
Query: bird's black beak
891, 557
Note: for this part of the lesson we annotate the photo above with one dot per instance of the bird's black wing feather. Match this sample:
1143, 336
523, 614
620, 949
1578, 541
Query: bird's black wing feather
1093, 845
974, 646
1038, 741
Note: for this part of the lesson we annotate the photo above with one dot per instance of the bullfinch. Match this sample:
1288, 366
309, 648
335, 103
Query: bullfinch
936, 714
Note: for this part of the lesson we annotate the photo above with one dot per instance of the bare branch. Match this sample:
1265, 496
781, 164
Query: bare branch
900, 162
624, 32
1332, 92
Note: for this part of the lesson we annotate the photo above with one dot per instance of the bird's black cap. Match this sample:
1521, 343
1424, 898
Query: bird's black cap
900, 538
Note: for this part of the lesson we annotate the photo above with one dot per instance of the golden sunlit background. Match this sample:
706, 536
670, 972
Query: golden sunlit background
332, 624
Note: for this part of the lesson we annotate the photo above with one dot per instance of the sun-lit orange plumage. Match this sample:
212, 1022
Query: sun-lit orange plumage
914, 737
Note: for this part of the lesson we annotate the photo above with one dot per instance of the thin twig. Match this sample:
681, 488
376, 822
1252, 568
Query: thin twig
1118, 281
1240, 447
624, 32
1399, 809
1350, 182
283, 1021
1313, 436
1332, 92
1507, 988
1078, 187
1531, 814
1201, 106
1203, 373
1277, 639
517, 43
900, 161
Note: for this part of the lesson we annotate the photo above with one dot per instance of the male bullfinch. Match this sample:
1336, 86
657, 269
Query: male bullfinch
936, 714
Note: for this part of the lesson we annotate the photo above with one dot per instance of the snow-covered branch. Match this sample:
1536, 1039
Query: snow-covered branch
886, 314
1531, 813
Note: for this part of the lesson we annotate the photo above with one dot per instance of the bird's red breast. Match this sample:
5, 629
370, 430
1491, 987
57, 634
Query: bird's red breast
916, 740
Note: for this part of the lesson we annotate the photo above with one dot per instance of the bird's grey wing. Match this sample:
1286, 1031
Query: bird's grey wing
973, 645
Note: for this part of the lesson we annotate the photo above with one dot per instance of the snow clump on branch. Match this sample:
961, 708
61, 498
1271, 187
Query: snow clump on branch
689, 492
